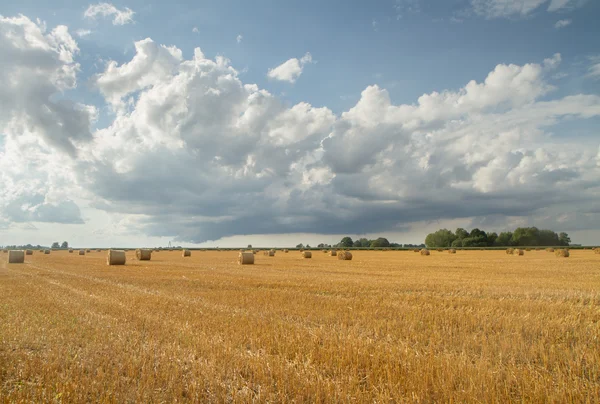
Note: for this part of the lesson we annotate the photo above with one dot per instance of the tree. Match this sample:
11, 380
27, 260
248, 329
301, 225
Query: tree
441, 238
356, 243
346, 242
548, 238
564, 239
55, 245
457, 243
380, 242
64, 245
249, 245
300, 245
526, 236
504, 239
491, 238
364, 242
461, 233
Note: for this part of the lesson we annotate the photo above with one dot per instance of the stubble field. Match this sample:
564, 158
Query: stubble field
478, 326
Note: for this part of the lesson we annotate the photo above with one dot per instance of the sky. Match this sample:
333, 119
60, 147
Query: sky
226, 123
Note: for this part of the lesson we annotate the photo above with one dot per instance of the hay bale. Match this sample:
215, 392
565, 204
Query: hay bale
285, 250
528, 249
70, 251
333, 253
519, 252
143, 254
16, 256
4, 250
246, 258
306, 254
510, 251
271, 253
550, 249
440, 250
186, 253
416, 250
596, 250
116, 257
98, 250
425, 251
28, 252
87, 250
452, 251
345, 256
46, 252
81, 252
563, 252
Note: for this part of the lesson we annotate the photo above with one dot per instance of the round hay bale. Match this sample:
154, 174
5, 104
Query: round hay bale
528, 249
16, 256
143, 254
246, 258
306, 254
98, 250
563, 252
5, 250
510, 251
416, 250
425, 251
440, 250
271, 253
596, 250
345, 256
70, 251
87, 250
186, 253
285, 250
81, 252
46, 252
452, 251
324, 251
28, 252
333, 253
519, 252
550, 249
116, 257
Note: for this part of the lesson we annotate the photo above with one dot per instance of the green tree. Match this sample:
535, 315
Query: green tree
491, 238
249, 245
526, 236
441, 238
64, 245
380, 242
55, 245
548, 238
504, 239
457, 243
461, 233
300, 245
564, 239
346, 242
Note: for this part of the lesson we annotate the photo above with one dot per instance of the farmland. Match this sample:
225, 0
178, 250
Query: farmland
478, 326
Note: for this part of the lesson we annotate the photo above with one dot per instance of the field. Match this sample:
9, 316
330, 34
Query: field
393, 326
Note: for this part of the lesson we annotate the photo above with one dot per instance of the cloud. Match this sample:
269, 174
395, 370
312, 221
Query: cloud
239, 38
120, 17
290, 70
193, 153
195, 30
594, 69
83, 32
562, 23
519, 8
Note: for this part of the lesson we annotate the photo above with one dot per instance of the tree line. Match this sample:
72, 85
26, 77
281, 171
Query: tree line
347, 242
522, 236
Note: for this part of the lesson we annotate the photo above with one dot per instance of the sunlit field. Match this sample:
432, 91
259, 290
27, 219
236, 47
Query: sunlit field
388, 326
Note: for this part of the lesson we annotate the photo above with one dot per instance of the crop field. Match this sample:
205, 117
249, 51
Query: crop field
388, 326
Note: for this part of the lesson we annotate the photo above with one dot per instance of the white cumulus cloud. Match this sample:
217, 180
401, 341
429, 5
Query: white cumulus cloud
120, 17
518, 8
562, 23
291, 69
239, 38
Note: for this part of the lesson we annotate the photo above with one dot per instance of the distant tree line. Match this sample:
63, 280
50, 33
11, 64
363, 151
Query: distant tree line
347, 242
522, 236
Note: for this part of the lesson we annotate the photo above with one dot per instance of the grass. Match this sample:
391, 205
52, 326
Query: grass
478, 326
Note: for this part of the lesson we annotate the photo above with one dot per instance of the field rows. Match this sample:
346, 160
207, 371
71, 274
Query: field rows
384, 327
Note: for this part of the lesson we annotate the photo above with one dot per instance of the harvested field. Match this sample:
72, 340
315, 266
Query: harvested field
389, 326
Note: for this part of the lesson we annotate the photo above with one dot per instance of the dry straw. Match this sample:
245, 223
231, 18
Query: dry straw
452, 251
46, 251
562, 253
306, 254
510, 251
286, 250
16, 256
4, 251
143, 254
28, 252
81, 252
333, 253
425, 251
345, 256
116, 257
246, 258
596, 250
70, 251
550, 249
271, 253
186, 253
519, 252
